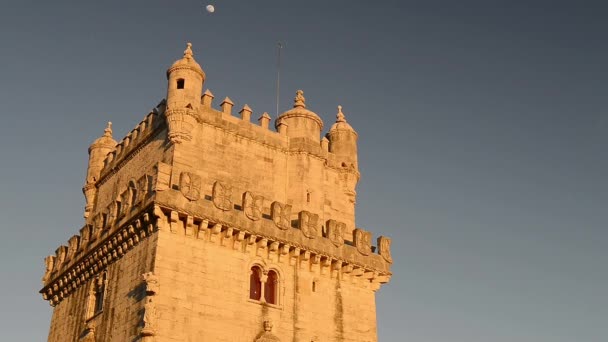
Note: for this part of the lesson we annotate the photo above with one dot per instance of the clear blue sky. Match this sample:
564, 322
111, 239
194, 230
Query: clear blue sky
483, 131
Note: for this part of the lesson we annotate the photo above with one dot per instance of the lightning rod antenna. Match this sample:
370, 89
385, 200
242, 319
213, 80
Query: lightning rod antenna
279, 48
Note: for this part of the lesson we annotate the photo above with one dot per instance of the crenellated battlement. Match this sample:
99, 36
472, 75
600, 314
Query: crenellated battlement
134, 139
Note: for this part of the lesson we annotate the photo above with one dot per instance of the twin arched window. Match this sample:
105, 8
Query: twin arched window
263, 286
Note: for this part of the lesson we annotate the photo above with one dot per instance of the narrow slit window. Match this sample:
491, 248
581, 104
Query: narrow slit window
180, 83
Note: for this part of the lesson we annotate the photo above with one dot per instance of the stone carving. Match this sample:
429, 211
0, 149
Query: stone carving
49, 263
335, 232
181, 122
89, 332
308, 224
151, 281
125, 204
384, 248
142, 187
149, 328
267, 335
190, 185
112, 211
252, 205
281, 215
363, 241
222, 196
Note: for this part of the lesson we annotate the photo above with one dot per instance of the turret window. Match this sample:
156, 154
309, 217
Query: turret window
181, 83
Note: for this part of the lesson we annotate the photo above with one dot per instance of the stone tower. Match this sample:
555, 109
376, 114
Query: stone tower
203, 226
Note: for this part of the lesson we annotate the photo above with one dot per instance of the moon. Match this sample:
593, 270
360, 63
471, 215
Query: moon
210, 8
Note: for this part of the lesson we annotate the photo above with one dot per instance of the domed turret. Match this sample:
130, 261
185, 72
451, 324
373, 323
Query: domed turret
185, 85
98, 151
343, 141
301, 122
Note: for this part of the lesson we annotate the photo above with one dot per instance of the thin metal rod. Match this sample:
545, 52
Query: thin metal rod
279, 47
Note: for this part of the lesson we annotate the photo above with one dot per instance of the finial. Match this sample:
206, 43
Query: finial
299, 100
108, 131
340, 115
188, 52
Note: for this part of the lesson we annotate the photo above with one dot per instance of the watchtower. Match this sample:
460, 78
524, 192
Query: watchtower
203, 226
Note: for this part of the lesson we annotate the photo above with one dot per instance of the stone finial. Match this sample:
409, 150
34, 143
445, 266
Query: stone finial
227, 105
246, 113
340, 115
207, 98
108, 131
299, 100
188, 52
264, 120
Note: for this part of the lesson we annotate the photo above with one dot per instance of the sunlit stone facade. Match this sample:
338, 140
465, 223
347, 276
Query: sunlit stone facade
201, 225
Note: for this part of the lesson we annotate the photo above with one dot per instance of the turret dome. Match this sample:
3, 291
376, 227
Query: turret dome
341, 124
105, 141
187, 62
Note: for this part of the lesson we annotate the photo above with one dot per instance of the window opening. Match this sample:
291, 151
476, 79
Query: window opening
255, 283
270, 287
180, 83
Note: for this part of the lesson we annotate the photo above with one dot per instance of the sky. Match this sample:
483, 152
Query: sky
483, 132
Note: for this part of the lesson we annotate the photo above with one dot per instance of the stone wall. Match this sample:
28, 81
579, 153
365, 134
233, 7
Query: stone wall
122, 310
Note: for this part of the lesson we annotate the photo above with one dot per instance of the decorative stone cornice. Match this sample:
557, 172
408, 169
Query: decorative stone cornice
354, 259
68, 271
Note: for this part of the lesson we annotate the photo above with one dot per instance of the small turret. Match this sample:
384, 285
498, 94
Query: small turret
98, 151
301, 122
343, 141
185, 85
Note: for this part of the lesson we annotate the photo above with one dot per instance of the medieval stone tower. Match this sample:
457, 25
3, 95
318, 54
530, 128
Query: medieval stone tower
203, 226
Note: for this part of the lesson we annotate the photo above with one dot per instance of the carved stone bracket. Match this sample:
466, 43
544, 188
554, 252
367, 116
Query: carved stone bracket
267, 335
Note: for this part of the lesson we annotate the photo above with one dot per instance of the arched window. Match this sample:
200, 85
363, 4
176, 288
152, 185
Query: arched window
255, 283
270, 287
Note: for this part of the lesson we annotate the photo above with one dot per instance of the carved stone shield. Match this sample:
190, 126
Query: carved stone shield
190, 185
252, 205
363, 241
335, 232
222, 196
308, 223
384, 248
281, 214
